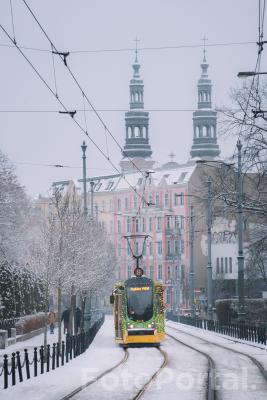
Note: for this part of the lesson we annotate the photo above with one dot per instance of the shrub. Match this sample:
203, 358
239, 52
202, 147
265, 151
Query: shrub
30, 323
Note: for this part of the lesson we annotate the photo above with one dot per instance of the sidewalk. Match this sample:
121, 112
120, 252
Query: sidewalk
29, 344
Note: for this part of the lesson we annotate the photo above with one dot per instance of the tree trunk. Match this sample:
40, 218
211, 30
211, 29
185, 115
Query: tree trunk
59, 311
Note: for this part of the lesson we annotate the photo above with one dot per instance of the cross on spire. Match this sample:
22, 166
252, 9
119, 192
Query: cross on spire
204, 50
171, 156
136, 40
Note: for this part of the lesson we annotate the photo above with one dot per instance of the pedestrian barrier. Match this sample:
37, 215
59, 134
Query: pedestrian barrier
46, 358
252, 333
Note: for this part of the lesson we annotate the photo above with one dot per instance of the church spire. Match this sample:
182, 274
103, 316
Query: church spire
137, 124
205, 118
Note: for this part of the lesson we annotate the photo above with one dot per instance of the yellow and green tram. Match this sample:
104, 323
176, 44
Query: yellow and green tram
138, 311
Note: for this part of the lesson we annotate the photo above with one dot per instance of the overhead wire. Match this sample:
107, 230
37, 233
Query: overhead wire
63, 58
130, 49
67, 111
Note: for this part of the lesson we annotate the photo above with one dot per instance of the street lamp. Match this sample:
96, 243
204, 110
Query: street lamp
246, 74
84, 147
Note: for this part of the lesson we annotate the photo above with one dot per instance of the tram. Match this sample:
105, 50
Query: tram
138, 310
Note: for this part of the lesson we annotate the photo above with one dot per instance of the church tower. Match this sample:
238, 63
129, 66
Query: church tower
205, 119
137, 147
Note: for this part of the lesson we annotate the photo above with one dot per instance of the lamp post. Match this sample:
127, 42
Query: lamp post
92, 198
191, 273
84, 147
209, 266
240, 257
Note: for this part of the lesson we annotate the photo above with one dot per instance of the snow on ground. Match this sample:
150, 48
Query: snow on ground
258, 352
29, 344
101, 355
184, 377
237, 376
125, 382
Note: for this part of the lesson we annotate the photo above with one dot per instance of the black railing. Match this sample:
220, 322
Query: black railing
252, 333
19, 367
7, 324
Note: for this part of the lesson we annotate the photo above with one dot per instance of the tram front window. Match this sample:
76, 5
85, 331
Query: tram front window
139, 303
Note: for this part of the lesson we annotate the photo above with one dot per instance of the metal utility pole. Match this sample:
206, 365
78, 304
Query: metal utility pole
191, 273
240, 257
92, 198
209, 266
84, 147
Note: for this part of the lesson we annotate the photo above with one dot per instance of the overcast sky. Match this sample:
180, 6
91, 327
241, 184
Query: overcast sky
170, 76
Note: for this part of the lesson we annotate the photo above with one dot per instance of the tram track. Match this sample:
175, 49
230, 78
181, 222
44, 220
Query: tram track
211, 376
142, 391
97, 378
251, 358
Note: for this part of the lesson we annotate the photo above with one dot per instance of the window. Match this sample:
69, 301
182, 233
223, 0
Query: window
119, 205
176, 246
168, 222
129, 271
230, 265
182, 246
217, 265
169, 273
157, 199
150, 224
226, 265
182, 222
128, 249
158, 223
169, 247
150, 248
119, 226
166, 199
168, 296
176, 222
144, 225
175, 199
144, 250
137, 225
181, 199
160, 272
136, 248
128, 224
221, 265
176, 272
159, 245
126, 203
150, 198
110, 205
151, 268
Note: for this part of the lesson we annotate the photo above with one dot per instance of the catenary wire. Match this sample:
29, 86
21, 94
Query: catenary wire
129, 49
65, 108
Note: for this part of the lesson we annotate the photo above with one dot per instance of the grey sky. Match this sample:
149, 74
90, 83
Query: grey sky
170, 76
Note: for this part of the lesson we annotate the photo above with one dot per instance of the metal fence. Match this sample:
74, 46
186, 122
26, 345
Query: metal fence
18, 367
250, 333
7, 324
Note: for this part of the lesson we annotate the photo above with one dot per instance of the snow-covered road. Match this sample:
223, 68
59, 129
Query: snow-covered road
236, 375
183, 378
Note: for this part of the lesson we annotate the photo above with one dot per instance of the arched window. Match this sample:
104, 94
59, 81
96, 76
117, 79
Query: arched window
157, 199
197, 131
181, 199
204, 131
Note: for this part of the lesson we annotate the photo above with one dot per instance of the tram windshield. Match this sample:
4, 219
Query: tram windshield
139, 302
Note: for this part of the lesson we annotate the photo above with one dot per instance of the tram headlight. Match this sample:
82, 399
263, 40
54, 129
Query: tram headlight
150, 325
131, 326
